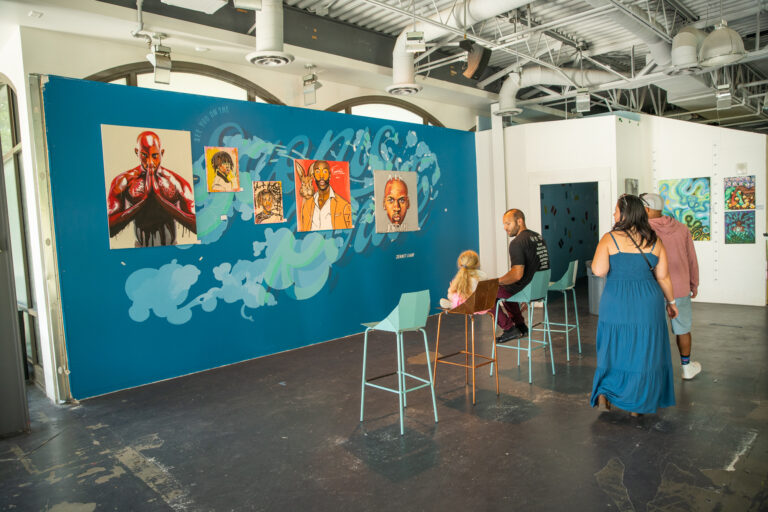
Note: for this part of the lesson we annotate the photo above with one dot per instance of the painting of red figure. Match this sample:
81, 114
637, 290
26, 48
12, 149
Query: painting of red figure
739, 193
322, 195
148, 180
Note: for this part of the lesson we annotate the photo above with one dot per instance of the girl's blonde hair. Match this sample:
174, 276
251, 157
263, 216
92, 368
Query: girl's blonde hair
468, 264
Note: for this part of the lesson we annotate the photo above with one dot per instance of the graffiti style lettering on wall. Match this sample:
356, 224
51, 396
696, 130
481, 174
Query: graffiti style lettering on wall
299, 264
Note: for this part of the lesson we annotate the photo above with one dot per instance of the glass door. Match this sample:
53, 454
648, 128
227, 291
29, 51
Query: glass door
14, 191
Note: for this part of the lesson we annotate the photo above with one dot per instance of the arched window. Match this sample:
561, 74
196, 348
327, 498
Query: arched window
189, 77
385, 107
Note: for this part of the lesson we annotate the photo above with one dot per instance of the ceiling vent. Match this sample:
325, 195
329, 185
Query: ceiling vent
269, 36
721, 47
403, 89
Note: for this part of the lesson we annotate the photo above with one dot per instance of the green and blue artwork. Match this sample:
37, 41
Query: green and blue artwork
688, 201
740, 227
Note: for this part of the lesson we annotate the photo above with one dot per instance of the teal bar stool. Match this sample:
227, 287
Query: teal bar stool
535, 291
409, 315
565, 283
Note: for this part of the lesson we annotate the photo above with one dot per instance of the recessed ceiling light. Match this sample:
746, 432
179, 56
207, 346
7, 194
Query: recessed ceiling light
201, 49
35, 14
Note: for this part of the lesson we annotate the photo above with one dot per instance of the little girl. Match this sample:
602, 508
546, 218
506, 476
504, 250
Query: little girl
465, 281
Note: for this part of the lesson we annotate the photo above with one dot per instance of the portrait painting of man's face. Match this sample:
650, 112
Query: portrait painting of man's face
397, 207
323, 200
221, 169
268, 202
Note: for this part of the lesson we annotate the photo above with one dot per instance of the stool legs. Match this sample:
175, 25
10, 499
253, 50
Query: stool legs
567, 330
576, 314
362, 390
400, 396
429, 372
549, 336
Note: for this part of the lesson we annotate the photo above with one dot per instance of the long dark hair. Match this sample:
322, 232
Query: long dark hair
632, 216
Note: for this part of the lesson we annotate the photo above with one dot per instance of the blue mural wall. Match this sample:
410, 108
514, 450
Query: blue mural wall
134, 316
569, 224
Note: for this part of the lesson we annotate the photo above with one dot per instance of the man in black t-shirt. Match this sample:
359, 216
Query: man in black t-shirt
527, 255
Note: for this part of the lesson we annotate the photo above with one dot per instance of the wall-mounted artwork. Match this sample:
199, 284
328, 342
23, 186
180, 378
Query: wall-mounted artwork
148, 176
222, 172
631, 186
396, 201
268, 202
322, 195
740, 227
688, 201
739, 193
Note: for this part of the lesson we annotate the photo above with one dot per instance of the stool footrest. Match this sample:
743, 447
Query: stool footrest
540, 344
488, 360
369, 382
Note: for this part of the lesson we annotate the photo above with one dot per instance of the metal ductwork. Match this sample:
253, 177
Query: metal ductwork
685, 49
269, 36
403, 73
538, 75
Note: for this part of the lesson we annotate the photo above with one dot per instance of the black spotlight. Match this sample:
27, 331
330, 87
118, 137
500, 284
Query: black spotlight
477, 59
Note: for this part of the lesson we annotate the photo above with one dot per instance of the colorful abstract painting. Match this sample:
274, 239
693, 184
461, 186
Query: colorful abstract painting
222, 172
395, 193
688, 201
740, 227
322, 195
268, 202
739, 193
148, 178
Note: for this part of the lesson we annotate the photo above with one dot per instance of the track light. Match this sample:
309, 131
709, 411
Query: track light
160, 57
414, 42
311, 85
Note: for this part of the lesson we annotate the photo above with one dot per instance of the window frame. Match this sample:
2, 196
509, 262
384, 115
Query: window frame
346, 107
130, 71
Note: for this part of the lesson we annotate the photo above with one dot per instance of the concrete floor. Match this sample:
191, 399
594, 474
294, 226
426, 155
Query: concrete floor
282, 433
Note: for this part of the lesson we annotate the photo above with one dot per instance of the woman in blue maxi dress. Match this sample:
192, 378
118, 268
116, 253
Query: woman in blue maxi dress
634, 366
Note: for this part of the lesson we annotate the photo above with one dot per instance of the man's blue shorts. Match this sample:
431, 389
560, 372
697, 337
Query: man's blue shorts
682, 323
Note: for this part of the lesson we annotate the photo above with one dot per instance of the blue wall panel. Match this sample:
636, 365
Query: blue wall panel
134, 316
569, 224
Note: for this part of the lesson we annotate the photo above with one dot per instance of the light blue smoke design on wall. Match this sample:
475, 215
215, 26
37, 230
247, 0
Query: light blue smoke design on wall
299, 267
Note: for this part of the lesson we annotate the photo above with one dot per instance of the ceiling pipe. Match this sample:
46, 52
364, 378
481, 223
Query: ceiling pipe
403, 72
685, 49
537, 75
269, 36
140, 33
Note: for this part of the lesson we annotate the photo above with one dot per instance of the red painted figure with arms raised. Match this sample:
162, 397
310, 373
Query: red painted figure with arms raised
151, 196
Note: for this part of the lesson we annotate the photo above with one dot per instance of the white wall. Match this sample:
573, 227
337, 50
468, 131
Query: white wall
729, 274
634, 157
608, 149
522, 158
571, 151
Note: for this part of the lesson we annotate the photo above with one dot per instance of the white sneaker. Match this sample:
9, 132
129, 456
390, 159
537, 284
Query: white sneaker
691, 370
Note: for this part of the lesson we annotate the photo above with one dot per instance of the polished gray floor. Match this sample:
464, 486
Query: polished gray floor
282, 433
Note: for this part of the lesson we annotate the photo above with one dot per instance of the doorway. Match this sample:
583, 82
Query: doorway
569, 224
13, 178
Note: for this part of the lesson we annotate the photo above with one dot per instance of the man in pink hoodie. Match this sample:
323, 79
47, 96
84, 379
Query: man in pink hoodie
684, 271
